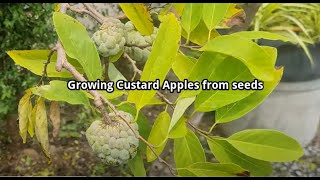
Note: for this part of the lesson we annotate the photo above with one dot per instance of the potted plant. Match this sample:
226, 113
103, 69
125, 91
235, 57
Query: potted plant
293, 106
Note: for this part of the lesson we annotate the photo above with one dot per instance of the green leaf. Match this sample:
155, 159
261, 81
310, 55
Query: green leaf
261, 35
77, 44
32, 121
160, 60
226, 153
34, 60
116, 57
58, 91
205, 169
188, 150
233, 46
213, 13
24, 111
41, 127
138, 14
114, 74
267, 145
179, 110
191, 17
200, 34
158, 135
182, 66
240, 108
204, 67
179, 130
230, 70
137, 166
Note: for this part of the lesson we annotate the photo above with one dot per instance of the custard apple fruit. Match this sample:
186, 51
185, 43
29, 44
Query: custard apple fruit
116, 143
110, 39
135, 39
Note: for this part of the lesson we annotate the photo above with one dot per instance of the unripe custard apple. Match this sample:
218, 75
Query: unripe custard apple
114, 143
110, 39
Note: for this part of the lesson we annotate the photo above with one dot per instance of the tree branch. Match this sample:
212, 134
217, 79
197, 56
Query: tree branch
95, 12
82, 11
45, 74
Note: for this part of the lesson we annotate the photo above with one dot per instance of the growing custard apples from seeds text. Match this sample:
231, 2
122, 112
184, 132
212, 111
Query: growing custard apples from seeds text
110, 39
116, 143
134, 39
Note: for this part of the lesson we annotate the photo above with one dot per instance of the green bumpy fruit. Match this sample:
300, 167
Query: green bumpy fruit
134, 39
116, 143
110, 39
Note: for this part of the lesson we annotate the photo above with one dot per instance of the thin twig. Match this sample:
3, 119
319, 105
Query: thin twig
136, 70
95, 12
45, 74
197, 129
83, 10
121, 16
141, 47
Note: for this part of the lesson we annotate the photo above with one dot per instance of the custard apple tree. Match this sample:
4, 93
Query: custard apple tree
188, 43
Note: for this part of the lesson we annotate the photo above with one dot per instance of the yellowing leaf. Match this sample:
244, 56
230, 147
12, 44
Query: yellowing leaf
138, 14
41, 127
232, 15
158, 135
24, 111
34, 60
55, 117
191, 17
160, 60
176, 8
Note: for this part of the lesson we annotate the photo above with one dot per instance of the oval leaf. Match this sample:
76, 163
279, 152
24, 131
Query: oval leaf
58, 91
213, 13
233, 46
24, 111
182, 66
179, 130
138, 14
114, 74
41, 127
267, 145
55, 117
137, 166
206, 169
77, 44
191, 17
188, 150
160, 60
240, 108
230, 70
226, 153
158, 135
179, 110
34, 60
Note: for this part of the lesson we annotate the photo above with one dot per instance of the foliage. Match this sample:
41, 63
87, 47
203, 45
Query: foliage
299, 22
222, 58
22, 26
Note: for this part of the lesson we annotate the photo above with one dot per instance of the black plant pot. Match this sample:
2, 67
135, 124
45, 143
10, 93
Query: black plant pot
297, 66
